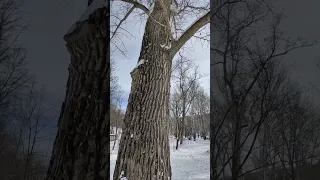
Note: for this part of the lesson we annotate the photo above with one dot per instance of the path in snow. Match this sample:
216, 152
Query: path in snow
190, 162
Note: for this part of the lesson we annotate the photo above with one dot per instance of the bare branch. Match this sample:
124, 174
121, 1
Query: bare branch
122, 20
195, 27
138, 5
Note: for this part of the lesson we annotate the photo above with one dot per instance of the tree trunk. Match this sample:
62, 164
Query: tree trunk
178, 134
116, 134
236, 144
183, 124
204, 134
177, 144
182, 132
144, 152
81, 148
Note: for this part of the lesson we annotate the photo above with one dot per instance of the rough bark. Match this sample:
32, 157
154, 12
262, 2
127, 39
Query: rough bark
81, 148
144, 147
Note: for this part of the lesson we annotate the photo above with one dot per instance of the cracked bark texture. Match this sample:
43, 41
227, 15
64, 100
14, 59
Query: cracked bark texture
144, 146
81, 148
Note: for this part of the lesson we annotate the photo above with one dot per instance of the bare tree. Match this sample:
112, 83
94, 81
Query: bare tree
14, 82
294, 129
7, 155
286, 144
200, 110
283, 145
14, 79
274, 91
81, 148
31, 120
13, 73
146, 123
242, 54
114, 82
115, 102
186, 77
176, 108
25, 126
116, 96
117, 115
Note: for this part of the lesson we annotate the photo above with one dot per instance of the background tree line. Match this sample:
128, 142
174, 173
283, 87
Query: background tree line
189, 102
263, 121
23, 111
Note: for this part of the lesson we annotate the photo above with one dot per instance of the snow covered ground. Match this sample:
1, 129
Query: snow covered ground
190, 162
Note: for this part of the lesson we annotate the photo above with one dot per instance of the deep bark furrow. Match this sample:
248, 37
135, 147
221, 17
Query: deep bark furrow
150, 114
144, 146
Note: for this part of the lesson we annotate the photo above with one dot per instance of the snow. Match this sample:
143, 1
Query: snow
190, 162
165, 46
123, 178
96, 4
151, 8
140, 62
173, 8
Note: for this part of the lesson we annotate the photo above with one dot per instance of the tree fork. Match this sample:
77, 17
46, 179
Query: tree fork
144, 152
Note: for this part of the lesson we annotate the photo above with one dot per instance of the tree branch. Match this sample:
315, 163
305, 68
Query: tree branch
122, 20
138, 5
198, 24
